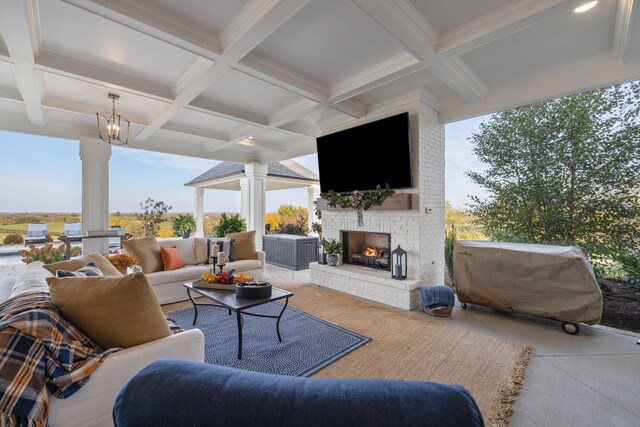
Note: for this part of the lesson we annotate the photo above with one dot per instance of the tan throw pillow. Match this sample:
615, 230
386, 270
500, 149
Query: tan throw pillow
245, 246
146, 251
113, 311
77, 263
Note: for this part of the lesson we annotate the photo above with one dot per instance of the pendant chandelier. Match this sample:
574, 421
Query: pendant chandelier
112, 127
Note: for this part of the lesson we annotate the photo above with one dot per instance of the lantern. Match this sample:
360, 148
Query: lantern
398, 263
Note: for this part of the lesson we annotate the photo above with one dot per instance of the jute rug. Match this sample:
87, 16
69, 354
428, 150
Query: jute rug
407, 347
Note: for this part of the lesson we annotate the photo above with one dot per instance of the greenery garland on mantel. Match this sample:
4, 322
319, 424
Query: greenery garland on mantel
358, 200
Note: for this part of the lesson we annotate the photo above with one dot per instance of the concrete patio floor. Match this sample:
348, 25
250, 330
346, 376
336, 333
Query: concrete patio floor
592, 379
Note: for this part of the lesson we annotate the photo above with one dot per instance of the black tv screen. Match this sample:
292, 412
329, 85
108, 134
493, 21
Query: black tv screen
366, 156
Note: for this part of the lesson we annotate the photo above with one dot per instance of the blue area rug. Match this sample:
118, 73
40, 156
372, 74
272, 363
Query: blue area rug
308, 343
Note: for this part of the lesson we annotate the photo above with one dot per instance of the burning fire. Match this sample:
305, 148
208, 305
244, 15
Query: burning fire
370, 251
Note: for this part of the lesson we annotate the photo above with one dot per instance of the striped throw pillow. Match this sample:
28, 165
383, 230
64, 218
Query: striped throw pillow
89, 270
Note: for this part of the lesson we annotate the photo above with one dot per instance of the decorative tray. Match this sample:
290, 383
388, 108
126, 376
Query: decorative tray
206, 285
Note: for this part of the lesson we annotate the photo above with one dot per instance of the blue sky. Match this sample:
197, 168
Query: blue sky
39, 174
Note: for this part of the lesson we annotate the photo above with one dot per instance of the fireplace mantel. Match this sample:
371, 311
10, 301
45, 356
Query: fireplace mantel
395, 202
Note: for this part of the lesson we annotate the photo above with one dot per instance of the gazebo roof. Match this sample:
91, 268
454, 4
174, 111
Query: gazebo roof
280, 176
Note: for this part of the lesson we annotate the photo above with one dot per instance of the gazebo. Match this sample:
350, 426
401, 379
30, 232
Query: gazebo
253, 180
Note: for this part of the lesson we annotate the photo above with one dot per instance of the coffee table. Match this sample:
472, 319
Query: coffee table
228, 300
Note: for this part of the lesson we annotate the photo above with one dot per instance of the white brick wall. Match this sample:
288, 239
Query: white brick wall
420, 234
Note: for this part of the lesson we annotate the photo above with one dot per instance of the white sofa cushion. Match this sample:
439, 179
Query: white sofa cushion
200, 247
243, 265
6, 284
185, 274
184, 247
32, 279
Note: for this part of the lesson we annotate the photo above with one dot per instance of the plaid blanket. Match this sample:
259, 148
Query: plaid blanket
40, 352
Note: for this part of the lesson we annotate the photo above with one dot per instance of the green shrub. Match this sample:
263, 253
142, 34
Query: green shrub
630, 263
449, 241
184, 224
229, 224
298, 227
13, 239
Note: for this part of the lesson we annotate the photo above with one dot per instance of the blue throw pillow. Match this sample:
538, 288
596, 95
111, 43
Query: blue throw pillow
224, 245
89, 270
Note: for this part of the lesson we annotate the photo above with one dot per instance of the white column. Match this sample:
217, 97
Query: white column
95, 155
198, 210
244, 199
314, 193
254, 199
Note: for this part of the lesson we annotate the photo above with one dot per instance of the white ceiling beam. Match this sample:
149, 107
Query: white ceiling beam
230, 112
299, 128
276, 120
421, 94
505, 20
20, 124
405, 23
236, 45
350, 107
21, 30
394, 68
163, 143
148, 19
625, 13
292, 112
194, 82
90, 73
262, 145
277, 75
210, 135
596, 72
84, 109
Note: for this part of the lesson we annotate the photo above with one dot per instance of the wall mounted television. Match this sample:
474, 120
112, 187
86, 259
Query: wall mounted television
362, 157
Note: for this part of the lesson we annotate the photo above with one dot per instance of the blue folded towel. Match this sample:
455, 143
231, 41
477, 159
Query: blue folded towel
436, 297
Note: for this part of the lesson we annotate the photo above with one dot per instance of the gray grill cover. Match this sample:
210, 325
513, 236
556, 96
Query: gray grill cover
555, 282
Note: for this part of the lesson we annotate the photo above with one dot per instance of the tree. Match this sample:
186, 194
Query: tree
151, 216
563, 171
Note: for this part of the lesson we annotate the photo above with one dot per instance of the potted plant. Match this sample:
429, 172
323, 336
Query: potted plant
122, 261
333, 249
184, 225
229, 224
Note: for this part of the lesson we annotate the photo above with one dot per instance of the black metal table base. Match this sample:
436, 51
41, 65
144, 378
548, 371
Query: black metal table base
239, 314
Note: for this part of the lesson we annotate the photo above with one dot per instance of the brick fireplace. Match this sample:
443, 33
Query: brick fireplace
419, 229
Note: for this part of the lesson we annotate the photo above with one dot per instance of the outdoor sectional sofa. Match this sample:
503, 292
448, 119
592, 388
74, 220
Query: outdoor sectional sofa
194, 254
92, 404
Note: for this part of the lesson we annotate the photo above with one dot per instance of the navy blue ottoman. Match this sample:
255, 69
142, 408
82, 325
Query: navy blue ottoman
180, 393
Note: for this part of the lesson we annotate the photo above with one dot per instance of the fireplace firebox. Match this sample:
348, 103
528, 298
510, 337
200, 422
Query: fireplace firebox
367, 249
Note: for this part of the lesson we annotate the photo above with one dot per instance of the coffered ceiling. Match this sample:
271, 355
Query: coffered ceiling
259, 80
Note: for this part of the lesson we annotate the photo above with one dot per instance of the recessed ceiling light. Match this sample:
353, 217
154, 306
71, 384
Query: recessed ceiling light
252, 137
585, 6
